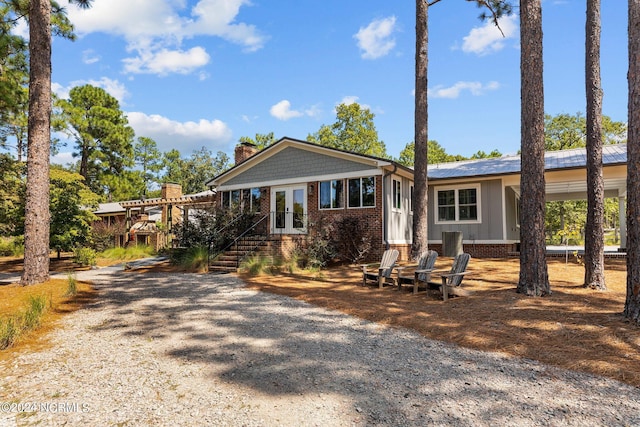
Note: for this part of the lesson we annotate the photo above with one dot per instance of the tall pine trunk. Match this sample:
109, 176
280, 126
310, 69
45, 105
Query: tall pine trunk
534, 278
420, 189
632, 303
594, 231
36, 227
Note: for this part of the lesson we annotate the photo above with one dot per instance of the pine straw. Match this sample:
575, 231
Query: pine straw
13, 299
574, 328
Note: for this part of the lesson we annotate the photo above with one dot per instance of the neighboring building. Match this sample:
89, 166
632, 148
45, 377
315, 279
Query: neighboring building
297, 184
150, 221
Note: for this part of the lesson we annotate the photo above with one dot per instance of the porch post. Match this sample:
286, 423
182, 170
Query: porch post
622, 219
127, 224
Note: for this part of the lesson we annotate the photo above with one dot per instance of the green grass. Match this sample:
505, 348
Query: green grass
72, 285
128, 253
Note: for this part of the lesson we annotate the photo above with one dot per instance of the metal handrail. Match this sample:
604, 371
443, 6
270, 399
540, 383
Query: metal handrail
235, 241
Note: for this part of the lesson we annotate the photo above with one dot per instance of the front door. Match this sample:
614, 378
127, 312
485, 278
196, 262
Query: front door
289, 210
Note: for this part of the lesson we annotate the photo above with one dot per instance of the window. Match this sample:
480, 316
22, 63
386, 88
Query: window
411, 199
247, 199
397, 194
332, 194
458, 204
362, 192
255, 200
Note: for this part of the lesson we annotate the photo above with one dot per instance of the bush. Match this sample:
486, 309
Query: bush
72, 285
128, 253
354, 241
12, 327
8, 332
192, 259
103, 235
33, 315
257, 264
84, 256
12, 246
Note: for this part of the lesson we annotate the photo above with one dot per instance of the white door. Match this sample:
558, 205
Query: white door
289, 210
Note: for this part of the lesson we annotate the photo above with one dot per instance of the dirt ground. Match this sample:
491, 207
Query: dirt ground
574, 328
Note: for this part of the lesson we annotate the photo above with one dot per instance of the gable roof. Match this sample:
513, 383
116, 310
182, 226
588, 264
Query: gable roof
553, 160
315, 153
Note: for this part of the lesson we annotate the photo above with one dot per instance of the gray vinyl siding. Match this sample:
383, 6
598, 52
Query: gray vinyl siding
491, 212
294, 163
513, 231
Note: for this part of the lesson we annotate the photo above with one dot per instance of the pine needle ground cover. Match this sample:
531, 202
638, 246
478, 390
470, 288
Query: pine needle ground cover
574, 328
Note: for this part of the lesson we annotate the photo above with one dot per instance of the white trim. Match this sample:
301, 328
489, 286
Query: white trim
344, 191
289, 228
467, 186
399, 242
394, 179
504, 209
302, 180
375, 201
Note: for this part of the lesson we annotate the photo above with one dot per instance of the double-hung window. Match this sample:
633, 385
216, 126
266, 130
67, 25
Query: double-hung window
362, 192
332, 194
458, 204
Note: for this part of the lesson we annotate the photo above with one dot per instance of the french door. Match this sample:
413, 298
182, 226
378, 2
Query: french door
289, 210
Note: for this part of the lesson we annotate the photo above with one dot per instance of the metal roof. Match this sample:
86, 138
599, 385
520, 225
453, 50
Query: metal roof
554, 160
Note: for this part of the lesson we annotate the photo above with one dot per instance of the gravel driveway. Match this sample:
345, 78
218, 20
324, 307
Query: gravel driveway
187, 349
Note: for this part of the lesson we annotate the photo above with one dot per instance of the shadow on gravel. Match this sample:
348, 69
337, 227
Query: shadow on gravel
283, 347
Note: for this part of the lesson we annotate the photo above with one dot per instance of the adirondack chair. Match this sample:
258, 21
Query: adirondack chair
452, 280
380, 273
418, 274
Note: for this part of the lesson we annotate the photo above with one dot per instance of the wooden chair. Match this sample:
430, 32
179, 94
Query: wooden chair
452, 280
382, 272
420, 274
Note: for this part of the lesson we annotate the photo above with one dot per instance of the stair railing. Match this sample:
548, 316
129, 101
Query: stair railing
237, 240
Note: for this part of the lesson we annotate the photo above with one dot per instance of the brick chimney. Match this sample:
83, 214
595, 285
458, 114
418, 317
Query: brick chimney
243, 151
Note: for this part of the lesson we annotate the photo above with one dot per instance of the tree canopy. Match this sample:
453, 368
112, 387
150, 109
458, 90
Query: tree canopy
353, 131
101, 131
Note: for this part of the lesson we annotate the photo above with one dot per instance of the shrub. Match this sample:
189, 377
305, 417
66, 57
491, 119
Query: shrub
354, 241
103, 235
321, 247
192, 259
257, 264
8, 332
72, 285
33, 315
128, 253
12, 246
84, 256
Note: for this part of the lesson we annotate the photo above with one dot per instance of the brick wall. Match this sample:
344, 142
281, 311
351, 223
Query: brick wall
483, 250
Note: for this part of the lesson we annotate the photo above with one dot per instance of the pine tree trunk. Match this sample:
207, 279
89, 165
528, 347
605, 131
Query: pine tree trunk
594, 230
36, 227
534, 279
632, 303
420, 189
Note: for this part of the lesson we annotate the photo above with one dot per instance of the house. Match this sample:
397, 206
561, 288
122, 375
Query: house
150, 221
481, 198
295, 184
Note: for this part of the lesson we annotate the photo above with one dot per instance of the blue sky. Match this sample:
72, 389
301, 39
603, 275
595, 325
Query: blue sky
194, 73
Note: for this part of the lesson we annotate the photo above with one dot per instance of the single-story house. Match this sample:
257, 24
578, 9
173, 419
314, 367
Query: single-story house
297, 184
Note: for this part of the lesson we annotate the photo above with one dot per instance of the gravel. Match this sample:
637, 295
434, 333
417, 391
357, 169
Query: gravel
188, 349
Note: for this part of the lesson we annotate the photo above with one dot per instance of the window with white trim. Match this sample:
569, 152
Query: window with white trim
397, 194
455, 204
362, 192
332, 194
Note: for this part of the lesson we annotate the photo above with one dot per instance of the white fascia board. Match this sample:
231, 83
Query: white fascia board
300, 180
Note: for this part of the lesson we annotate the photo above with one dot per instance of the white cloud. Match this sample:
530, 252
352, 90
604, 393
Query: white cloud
282, 111
451, 92
90, 57
155, 30
163, 61
352, 99
375, 40
185, 136
112, 87
63, 158
488, 38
